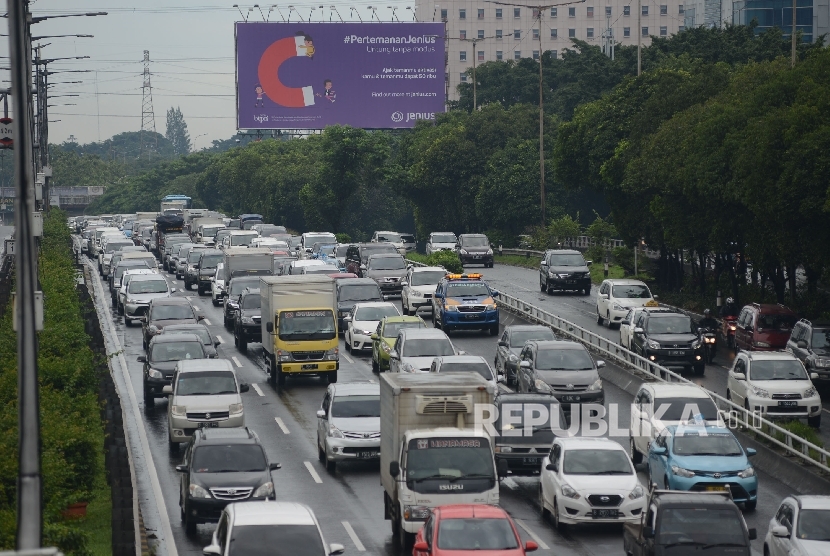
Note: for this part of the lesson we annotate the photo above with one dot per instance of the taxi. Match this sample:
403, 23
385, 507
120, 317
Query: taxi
465, 302
383, 340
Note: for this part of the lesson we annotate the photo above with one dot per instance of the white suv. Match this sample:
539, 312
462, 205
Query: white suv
776, 384
800, 527
441, 241
418, 287
617, 296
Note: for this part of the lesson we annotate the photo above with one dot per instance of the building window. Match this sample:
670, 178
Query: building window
626, 31
517, 13
644, 32
481, 33
443, 15
517, 54
462, 55
463, 77
462, 35
571, 33
554, 34
481, 13
499, 55
480, 55
517, 34
607, 11
553, 12
626, 10
664, 9
681, 9
498, 33
590, 32
664, 31
681, 28
571, 12
590, 11
645, 10
536, 55
498, 13
462, 14
536, 34
553, 54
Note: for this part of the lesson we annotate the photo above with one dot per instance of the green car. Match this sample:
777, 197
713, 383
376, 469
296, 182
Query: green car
383, 340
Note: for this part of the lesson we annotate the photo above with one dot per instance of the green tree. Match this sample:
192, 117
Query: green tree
177, 132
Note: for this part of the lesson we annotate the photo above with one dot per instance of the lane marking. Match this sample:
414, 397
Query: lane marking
359, 545
221, 341
533, 535
207, 322
313, 473
510, 483
825, 409
257, 388
282, 425
349, 359
235, 360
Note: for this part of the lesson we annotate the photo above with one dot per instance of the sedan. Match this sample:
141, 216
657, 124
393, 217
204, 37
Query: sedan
363, 321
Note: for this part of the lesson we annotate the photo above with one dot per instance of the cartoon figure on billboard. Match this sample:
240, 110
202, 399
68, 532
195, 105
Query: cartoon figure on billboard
259, 93
308, 44
274, 56
329, 93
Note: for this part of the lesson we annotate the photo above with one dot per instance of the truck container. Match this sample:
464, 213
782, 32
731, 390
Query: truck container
146, 216
203, 229
242, 260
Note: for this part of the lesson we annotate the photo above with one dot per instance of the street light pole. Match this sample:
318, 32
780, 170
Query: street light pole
792, 54
639, 38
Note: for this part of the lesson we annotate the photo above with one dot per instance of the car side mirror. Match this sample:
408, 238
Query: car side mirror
648, 532
321, 413
141, 358
658, 450
502, 468
196, 266
753, 533
181, 468
275, 466
625, 321
801, 344
394, 468
269, 327
394, 355
462, 352
374, 336
404, 283
600, 364
638, 330
551, 467
172, 290
347, 319
212, 550
243, 387
335, 548
200, 318
168, 389
543, 263
143, 318
603, 296
655, 296
500, 379
589, 263
739, 376
751, 452
814, 376
363, 267
525, 364
531, 546
495, 293
502, 343
420, 546
780, 531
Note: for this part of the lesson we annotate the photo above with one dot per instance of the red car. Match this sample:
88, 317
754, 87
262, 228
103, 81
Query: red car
474, 529
764, 327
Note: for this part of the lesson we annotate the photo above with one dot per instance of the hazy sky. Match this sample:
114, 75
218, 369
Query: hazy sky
191, 48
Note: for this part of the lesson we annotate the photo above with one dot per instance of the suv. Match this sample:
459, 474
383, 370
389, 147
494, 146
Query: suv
163, 353
247, 319
387, 270
351, 291
165, 311
810, 342
667, 337
234, 289
221, 466
140, 294
348, 423
799, 527
390, 237
205, 269
418, 286
617, 296
465, 301
441, 241
510, 346
474, 249
764, 327
564, 269
524, 452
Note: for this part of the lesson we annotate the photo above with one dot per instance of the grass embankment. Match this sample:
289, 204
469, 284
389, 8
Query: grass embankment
72, 434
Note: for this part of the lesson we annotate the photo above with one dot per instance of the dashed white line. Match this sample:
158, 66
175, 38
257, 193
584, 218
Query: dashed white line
315, 476
207, 322
235, 360
359, 545
282, 425
510, 483
258, 389
221, 341
349, 359
825, 409
533, 535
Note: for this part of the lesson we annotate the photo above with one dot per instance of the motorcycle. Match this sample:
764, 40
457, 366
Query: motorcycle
710, 344
728, 330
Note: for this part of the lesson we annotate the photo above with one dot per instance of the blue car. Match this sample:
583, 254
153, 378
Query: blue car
703, 458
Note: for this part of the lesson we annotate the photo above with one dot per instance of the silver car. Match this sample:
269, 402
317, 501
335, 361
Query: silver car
348, 423
140, 292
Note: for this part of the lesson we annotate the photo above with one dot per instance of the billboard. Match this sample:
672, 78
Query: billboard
311, 75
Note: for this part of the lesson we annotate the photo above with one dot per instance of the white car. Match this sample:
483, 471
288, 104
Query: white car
217, 285
800, 527
362, 321
627, 327
390, 237
418, 286
348, 423
659, 405
415, 349
295, 266
466, 364
617, 296
441, 241
590, 480
125, 280
774, 384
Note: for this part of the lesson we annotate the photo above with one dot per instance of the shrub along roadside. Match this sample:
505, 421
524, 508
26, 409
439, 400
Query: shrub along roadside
447, 259
71, 433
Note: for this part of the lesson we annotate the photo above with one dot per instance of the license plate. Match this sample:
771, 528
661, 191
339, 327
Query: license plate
603, 514
208, 425
570, 281
676, 353
471, 317
717, 488
476, 256
571, 398
368, 455
309, 367
531, 461
788, 404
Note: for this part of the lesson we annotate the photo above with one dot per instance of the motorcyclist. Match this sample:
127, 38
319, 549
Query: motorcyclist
730, 309
708, 321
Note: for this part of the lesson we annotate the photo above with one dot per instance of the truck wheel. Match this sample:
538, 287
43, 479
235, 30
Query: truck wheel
272, 370
280, 377
405, 540
331, 377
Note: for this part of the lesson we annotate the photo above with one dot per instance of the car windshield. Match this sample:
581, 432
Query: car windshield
481, 368
241, 239
453, 458
238, 286
234, 458
427, 278
467, 289
700, 525
389, 237
680, 324
112, 247
391, 329
248, 224
207, 383
477, 241
684, 409
407, 238
814, 525
252, 301
356, 406
708, 444
170, 312
776, 322
563, 360
276, 540
122, 268
820, 339
306, 325
780, 369
375, 313
387, 263
210, 261
443, 238
633, 291
210, 231
148, 286
194, 256
519, 337
200, 331
327, 249
476, 534
567, 260
362, 292
176, 351
340, 250
375, 248
427, 347
596, 462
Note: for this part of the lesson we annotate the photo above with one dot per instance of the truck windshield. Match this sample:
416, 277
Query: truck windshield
210, 231
448, 458
210, 261
306, 325
242, 239
700, 525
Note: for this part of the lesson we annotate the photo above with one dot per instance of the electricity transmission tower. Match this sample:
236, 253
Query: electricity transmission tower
148, 119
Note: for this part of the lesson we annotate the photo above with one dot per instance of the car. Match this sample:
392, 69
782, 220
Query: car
465, 301
116, 258
217, 285
175, 265
703, 458
326, 269
120, 267
354, 290
387, 270
348, 424
233, 290
470, 529
362, 321
393, 238
409, 243
273, 528
247, 319
141, 292
163, 353
659, 405
415, 348
669, 338
358, 255
810, 342
441, 241
510, 346
627, 327
418, 286
800, 527
163, 312
109, 249
564, 270
764, 327
238, 238
295, 266
474, 249
562, 368
205, 270
465, 364
120, 293
383, 339
617, 296
204, 394
590, 480
222, 467
209, 341
774, 385
191, 266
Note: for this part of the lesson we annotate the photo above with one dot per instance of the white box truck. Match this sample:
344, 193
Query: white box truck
299, 328
203, 230
431, 452
244, 260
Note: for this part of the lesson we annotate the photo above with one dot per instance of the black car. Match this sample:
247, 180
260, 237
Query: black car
351, 291
474, 249
233, 290
208, 340
247, 325
524, 450
511, 343
221, 466
564, 270
810, 342
357, 255
165, 311
209, 259
160, 362
669, 338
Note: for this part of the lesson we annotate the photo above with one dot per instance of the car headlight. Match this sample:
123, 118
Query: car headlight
198, 492
696, 344
451, 308
154, 373
760, 392
416, 513
504, 449
179, 410
563, 276
597, 385
489, 251
653, 344
761, 344
810, 392
385, 347
747, 473
247, 320
490, 307
264, 490
568, 491
154, 329
235, 408
332, 355
513, 357
334, 432
365, 332
638, 492
132, 301
191, 269
542, 386
284, 355
552, 274
679, 471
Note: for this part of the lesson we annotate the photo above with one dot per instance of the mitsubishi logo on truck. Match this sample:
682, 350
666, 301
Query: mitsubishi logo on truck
451, 487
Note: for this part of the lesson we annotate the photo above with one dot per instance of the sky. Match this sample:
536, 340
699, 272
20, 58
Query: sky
192, 66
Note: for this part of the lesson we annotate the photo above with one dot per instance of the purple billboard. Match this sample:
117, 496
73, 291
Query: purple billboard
311, 75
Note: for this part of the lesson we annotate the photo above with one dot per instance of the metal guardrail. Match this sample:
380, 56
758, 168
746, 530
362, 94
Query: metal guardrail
792, 444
